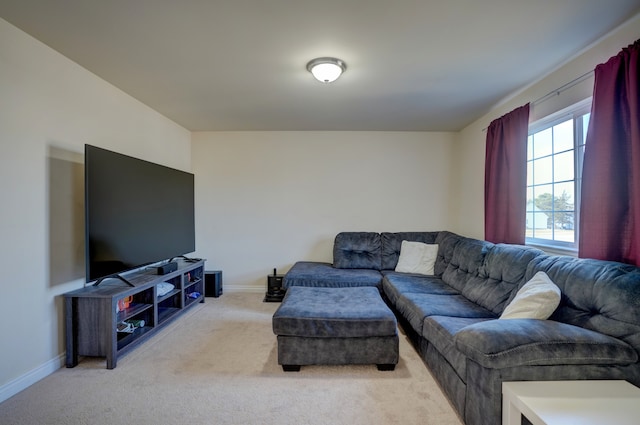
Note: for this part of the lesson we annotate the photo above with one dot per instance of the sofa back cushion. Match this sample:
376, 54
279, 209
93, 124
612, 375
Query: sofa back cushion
391, 243
357, 250
602, 296
465, 263
500, 276
446, 242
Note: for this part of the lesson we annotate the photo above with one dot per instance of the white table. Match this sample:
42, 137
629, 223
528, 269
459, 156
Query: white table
571, 402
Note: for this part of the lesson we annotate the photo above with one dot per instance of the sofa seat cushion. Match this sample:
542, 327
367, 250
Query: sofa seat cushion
314, 274
415, 307
334, 313
498, 344
394, 284
357, 250
439, 331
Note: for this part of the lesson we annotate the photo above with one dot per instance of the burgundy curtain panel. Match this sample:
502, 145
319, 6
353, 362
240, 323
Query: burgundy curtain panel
505, 177
610, 205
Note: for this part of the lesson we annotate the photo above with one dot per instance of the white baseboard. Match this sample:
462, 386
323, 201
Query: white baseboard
244, 288
13, 387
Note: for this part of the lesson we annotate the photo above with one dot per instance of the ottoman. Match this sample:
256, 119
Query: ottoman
335, 326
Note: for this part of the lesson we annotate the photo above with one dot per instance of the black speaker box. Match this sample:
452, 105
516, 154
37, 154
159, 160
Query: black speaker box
167, 268
213, 283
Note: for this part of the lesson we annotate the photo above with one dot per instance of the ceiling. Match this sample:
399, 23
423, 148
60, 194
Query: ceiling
413, 65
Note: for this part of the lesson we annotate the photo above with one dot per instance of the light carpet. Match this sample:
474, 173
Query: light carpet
218, 365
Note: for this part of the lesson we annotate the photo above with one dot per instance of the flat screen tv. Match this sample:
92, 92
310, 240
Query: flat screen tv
136, 213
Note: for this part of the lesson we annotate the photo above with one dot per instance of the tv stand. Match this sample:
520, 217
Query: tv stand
93, 313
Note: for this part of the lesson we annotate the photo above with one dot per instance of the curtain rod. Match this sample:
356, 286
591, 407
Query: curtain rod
556, 92
567, 86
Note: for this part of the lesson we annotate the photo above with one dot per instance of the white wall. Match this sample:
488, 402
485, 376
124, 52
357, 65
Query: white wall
269, 199
470, 143
50, 107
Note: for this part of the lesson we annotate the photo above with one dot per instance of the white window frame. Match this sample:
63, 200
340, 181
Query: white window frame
571, 112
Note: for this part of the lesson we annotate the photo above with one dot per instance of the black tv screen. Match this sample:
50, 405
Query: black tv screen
136, 213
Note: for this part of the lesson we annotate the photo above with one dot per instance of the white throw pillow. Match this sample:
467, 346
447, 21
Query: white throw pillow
537, 299
417, 257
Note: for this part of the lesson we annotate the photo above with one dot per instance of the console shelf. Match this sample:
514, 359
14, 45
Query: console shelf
168, 295
93, 313
131, 311
165, 313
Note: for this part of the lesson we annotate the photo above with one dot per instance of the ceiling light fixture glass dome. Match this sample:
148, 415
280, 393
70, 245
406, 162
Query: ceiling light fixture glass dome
326, 70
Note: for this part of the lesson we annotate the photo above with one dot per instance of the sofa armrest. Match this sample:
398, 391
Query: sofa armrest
498, 344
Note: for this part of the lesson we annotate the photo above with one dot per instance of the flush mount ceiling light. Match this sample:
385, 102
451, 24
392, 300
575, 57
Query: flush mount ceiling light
326, 70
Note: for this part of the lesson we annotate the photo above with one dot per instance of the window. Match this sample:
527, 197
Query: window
555, 148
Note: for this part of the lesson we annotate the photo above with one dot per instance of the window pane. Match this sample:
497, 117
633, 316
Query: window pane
563, 193
543, 170
563, 166
530, 216
564, 215
529, 230
585, 126
538, 225
529, 148
563, 136
542, 231
541, 216
542, 143
543, 197
529, 173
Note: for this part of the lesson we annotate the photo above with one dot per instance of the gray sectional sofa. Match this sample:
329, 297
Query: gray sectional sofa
453, 319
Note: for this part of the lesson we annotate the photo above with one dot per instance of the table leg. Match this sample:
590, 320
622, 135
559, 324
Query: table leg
71, 329
511, 415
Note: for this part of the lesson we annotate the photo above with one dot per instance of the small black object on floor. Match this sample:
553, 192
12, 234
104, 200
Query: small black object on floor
213, 283
275, 291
